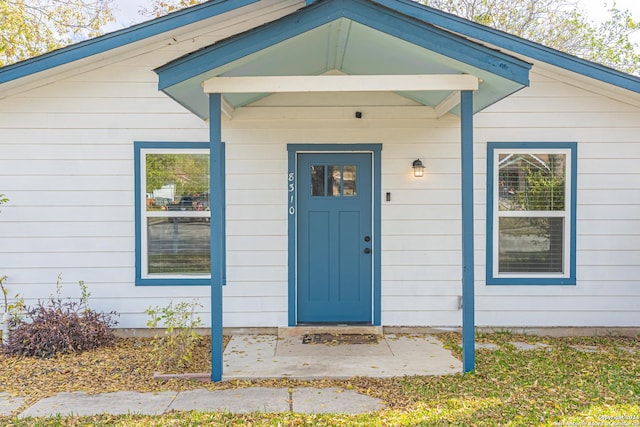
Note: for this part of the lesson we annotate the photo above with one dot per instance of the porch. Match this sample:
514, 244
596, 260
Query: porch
294, 353
435, 73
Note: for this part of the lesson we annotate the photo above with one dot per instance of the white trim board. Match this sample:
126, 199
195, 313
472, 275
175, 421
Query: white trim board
342, 83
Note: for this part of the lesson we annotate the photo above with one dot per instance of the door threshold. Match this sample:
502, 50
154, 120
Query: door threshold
293, 331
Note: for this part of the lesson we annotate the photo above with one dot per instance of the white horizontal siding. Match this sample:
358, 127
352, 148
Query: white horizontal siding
443, 318
96, 137
608, 183
36, 183
611, 242
609, 227
252, 228
37, 244
47, 106
66, 163
427, 272
79, 167
69, 259
68, 229
542, 318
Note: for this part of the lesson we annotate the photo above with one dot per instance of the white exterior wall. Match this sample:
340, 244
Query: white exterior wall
608, 206
66, 163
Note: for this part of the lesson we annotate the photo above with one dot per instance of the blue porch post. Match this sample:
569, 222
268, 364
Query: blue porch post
468, 308
218, 235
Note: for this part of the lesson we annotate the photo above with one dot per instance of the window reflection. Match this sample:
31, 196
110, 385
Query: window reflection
177, 213
335, 179
317, 180
532, 182
177, 182
531, 244
349, 177
178, 245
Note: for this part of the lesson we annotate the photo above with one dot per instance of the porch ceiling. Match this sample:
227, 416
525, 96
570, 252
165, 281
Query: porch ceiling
345, 37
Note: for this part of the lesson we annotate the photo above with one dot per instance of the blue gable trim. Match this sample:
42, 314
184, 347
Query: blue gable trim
514, 43
364, 12
119, 38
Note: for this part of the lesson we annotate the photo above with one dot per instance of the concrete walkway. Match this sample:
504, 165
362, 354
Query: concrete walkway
255, 399
269, 356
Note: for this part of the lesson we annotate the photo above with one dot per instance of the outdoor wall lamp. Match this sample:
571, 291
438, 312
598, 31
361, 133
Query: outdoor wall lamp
418, 168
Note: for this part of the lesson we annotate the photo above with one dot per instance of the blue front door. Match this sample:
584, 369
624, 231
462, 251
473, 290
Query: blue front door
334, 279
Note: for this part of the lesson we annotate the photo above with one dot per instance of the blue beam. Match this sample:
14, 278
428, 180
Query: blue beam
217, 204
377, 233
291, 226
468, 304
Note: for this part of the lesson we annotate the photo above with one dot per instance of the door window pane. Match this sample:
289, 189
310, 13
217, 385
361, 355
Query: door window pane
531, 245
317, 180
349, 180
334, 181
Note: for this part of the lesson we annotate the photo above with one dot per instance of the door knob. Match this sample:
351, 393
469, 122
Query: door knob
367, 238
367, 250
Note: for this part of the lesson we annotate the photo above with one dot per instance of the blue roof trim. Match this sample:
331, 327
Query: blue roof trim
514, 43
365, 12
119, 38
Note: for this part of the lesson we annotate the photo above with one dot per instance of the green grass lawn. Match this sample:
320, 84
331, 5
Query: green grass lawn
552, 386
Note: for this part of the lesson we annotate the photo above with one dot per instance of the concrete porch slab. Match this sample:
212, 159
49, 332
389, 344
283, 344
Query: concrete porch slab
266, 356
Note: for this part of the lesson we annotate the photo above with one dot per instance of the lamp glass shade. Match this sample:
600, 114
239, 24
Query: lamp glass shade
418, 168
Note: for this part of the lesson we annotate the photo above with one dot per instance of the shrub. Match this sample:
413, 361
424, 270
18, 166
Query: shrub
14, 310
61, 326
174, 349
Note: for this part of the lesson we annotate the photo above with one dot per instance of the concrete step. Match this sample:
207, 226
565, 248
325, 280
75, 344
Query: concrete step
294, 331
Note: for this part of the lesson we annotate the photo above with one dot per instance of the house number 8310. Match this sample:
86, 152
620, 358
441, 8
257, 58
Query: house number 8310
292, 189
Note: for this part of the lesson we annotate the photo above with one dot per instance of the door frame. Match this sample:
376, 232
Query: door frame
292, 219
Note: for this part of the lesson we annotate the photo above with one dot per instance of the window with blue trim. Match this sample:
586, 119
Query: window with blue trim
173, 213
531, 190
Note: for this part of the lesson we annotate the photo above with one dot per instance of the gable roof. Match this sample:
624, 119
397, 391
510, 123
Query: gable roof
424, 13
354, 37
119, 38
516, 44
